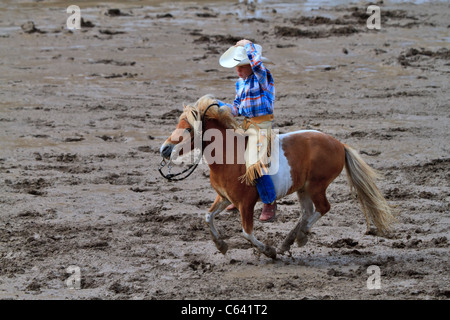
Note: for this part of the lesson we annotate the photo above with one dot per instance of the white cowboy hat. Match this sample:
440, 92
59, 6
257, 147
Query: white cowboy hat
237, 56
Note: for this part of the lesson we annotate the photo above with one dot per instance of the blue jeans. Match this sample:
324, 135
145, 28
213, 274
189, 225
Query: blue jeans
266, 189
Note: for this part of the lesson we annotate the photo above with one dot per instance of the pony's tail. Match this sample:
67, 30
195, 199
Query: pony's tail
374, 205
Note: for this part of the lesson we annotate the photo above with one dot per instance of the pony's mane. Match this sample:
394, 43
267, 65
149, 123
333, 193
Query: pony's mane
194, 112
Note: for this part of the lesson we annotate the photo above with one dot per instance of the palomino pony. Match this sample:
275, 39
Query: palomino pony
308, 162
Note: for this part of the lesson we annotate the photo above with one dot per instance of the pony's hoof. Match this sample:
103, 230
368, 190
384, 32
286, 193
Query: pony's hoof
222, 246
302, 239
284, 248
284, 252
270, 252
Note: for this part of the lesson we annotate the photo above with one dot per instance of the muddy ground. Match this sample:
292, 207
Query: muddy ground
83, 114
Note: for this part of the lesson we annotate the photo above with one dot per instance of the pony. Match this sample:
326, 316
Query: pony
308, 161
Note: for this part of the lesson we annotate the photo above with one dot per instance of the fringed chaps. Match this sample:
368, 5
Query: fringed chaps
257, 153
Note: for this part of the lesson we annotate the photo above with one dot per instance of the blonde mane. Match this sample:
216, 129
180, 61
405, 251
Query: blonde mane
194, 112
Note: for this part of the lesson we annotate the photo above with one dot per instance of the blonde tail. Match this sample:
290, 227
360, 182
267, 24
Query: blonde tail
361, 178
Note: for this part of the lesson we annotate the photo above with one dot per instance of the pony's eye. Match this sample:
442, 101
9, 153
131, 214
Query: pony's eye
189, 130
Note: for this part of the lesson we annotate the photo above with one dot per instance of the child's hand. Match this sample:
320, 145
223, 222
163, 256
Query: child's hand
224, 108
242, 43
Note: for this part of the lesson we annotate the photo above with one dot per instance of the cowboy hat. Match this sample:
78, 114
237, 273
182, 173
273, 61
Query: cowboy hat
237, 56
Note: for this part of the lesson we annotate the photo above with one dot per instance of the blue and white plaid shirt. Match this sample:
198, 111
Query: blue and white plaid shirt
256, 94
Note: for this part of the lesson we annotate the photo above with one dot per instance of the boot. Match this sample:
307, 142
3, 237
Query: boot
268, 212
231, 207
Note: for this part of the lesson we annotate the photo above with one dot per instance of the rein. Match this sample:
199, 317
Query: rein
192, 167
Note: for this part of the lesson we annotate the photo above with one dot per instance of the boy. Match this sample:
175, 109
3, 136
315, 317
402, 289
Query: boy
255, 95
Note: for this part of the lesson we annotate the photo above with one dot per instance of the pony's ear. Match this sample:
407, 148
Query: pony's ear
194, 114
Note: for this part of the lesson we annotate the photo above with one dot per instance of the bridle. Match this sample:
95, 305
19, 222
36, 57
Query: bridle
172, 176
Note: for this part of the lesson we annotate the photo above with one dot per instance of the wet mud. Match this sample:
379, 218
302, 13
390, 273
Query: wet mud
83, 114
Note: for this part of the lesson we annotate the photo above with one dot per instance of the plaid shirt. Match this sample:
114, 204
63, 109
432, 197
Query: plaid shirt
256, 94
